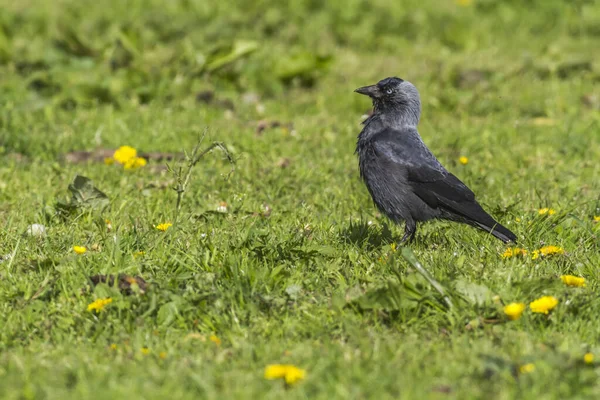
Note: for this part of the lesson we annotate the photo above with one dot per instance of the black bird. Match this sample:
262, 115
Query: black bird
405, 180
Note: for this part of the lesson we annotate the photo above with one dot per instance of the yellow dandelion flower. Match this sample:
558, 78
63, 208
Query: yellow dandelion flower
547, 251
514, 310
164, 226
543, 305
588, 358
517, 219
138, 254
571, 280
135, 162
215, 339
596, 218
113, 346
275, 371
527, 368
130, 164
463, 160
544, 211
513, 252
79, 249
162, 355
551, 250
393, 246
99, 304
124, 154
290, 373
464, 3
109, 161
145, 351
294, 375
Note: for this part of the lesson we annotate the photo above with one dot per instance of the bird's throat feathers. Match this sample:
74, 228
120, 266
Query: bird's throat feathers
406, 112
379, 121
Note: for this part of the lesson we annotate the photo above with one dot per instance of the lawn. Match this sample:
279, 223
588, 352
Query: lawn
276, 254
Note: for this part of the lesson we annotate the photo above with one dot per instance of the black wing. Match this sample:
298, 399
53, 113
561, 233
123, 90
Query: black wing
438, 188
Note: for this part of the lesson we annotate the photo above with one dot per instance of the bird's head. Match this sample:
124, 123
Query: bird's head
395, 97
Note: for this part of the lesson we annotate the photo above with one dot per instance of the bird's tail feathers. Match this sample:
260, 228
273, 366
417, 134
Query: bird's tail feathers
500, 232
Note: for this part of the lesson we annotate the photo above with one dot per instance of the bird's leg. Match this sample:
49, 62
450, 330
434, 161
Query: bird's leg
410, 231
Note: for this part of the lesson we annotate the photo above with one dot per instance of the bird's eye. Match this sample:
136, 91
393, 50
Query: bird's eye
389, 91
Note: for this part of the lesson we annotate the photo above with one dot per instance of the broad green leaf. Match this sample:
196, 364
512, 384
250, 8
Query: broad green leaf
84, 195
167, 313
477, 294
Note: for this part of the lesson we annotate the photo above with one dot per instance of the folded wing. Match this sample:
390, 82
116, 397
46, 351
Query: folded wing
404, 152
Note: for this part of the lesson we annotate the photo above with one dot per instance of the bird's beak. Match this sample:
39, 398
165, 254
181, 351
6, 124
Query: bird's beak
371, 91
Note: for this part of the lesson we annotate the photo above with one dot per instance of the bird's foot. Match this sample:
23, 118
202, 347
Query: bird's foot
406, 239
409, 235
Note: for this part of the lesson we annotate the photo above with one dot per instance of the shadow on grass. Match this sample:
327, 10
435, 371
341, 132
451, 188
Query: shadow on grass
364, 235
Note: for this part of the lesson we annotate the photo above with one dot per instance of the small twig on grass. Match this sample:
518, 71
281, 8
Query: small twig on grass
183, 178
409, 256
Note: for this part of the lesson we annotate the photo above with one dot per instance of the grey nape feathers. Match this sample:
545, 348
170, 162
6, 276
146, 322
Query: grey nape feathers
405, 180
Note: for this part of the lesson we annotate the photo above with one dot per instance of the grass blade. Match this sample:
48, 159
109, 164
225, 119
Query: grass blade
409, 256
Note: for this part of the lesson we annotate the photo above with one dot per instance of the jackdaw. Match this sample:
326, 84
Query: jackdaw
405, 180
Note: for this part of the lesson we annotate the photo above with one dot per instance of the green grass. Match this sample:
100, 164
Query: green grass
514, 86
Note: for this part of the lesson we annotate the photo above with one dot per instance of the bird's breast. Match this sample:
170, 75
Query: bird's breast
366, 158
